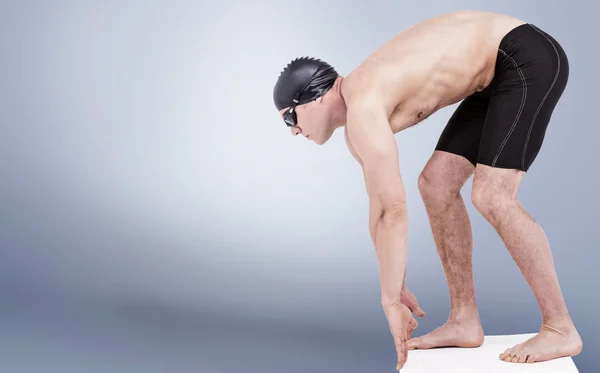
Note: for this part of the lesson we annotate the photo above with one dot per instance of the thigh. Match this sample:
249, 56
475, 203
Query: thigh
446, 173
528, 87
500, 183
462, 134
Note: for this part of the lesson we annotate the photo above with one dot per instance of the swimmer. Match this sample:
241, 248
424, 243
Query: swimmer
508, 76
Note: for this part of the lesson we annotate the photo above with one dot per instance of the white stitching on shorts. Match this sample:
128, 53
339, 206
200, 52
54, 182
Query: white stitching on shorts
545, 97
523, 99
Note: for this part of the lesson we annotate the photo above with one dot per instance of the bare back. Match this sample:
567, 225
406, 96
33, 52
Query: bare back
431, 65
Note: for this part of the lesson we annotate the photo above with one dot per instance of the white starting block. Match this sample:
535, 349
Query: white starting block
484, 359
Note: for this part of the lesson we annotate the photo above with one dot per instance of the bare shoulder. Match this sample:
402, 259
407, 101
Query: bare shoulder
360, 103
368, 131
377, 82
356, 85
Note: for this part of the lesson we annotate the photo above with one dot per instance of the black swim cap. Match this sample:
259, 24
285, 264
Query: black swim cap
303, 80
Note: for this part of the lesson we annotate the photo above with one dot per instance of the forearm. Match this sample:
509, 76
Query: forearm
390, 237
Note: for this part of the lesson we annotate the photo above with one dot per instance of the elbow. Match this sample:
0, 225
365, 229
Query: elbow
394, 213
389, 216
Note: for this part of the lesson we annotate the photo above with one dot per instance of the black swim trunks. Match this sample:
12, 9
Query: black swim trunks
504, 125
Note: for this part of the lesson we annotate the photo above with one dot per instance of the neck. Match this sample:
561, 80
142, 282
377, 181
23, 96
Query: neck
342, 119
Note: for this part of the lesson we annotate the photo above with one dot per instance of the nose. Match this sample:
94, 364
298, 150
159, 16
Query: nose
295, 131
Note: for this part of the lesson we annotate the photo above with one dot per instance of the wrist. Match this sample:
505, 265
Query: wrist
390, 302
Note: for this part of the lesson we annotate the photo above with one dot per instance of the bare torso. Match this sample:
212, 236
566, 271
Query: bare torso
431, 65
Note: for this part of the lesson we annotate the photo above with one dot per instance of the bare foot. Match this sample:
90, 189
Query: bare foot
550, 343
466, 333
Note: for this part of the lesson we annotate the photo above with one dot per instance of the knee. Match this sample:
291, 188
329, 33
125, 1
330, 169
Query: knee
434, 188
482, 200
490, 201
426, 185
443, 177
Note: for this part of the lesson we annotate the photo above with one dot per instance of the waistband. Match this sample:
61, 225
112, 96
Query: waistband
517, 32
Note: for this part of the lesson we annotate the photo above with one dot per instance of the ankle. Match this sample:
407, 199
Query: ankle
563, 326
464, 316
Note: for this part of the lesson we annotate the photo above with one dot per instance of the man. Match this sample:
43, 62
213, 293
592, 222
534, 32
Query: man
509, 75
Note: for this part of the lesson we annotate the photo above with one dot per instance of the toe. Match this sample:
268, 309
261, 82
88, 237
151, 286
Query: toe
515, 359
413, 343
530, 359
522, 358
509, 356
506, 353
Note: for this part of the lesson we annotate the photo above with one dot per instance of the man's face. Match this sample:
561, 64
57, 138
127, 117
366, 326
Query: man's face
312, 121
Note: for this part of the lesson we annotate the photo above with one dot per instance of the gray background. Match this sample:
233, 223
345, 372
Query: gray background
156, 215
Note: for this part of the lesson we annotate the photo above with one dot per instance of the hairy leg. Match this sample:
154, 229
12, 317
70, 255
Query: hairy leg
440, 184
495, 197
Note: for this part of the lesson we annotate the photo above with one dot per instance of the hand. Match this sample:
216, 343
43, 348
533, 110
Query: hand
401, 326
407, 298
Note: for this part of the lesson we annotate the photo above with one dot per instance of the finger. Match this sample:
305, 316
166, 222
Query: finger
416, 309
409, 332
413, 324
411, 302
400, 343
402, 355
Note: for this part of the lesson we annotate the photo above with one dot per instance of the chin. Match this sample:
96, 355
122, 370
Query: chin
320, 141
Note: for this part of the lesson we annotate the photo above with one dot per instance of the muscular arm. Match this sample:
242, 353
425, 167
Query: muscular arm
372, 143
